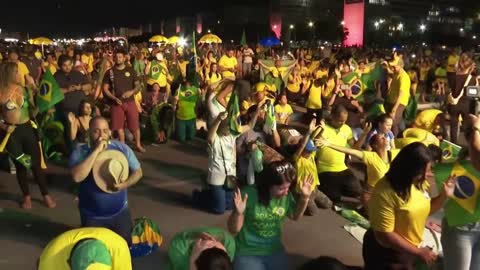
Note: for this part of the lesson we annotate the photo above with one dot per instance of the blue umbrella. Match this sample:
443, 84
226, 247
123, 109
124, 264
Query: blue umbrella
270, 42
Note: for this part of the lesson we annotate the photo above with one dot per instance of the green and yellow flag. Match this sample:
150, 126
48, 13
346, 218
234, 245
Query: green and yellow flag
464, 207
234, 114
450, 151
49, 92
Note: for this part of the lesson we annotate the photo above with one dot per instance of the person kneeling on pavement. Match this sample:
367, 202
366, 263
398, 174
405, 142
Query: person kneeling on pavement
202, 249
86, 248
105, 169
305, 164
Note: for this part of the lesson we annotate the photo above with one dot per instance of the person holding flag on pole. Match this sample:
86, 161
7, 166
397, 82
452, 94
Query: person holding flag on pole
20, 136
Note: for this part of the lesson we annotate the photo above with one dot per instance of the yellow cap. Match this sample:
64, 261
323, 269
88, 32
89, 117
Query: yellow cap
38, 55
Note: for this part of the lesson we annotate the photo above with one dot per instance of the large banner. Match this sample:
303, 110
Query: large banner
353, 17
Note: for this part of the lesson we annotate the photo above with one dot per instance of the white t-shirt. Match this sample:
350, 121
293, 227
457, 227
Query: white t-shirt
248, 56
216, 163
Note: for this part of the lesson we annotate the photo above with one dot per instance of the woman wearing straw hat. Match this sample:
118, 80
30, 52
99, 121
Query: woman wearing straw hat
105, 169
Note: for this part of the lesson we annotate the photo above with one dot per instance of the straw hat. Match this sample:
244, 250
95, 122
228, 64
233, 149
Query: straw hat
111, 167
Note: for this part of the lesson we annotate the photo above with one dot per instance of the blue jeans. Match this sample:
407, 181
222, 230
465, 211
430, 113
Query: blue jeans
277, 261
461, 247
216, 199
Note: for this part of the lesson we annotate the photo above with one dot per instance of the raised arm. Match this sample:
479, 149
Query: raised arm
321, 142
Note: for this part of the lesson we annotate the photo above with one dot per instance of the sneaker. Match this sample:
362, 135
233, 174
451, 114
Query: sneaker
322, 200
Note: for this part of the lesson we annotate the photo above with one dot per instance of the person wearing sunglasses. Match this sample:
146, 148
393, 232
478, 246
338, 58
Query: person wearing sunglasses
259, 214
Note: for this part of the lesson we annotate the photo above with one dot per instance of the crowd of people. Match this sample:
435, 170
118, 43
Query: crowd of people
282, 129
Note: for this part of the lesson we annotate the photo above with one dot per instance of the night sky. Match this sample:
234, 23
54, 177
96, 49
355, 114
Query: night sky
78, 17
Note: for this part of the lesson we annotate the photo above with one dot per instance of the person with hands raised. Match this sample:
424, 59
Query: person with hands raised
377, 161
398, 211
259, 214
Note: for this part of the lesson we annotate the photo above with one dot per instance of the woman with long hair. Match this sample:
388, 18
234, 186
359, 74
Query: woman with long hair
259, 214
398, 210
20, 135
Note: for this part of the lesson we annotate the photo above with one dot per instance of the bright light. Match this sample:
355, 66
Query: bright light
150, 49
474, 37
209, 31
274, 26
11, 40
400, 27
377, 24
424, 44
80, 42
342, 23
292, 26
381, 21
310, 24
182, 42
413, 56
461, 30
231, 41
423, 27
444, 47
218, 21
291, 41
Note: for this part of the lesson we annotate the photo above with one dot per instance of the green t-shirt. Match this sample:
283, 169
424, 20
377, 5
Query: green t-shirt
181, 246
187, 100
261, 234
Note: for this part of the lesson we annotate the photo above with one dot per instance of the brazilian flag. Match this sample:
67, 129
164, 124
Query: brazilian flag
146, 237
360, 83
464, 207
234, 114
352, 79
49, 92
450, 151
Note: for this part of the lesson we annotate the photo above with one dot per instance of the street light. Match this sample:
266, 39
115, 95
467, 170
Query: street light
292, 26
474, 37
209, 31
342, 23
400, 27
461, 30
377, 24
423, 27
310, 24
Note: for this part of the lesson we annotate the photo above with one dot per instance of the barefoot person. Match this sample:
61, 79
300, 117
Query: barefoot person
20, 134
104, 205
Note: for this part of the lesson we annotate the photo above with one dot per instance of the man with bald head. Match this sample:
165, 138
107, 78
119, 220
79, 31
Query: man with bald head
98, 208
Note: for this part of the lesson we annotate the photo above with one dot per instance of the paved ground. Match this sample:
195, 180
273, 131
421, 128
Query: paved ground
171, 172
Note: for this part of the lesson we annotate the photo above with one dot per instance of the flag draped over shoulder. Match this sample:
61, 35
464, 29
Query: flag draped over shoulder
49, 92
233, 108
463, 208
361, 82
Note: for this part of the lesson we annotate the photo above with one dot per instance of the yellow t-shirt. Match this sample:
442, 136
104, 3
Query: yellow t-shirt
321, 73
22, 71
57, 252
88, 61
424, 72
228, 62
390, 213
314, 100
306, 167
426, 119
400, 87
294, 83
327, 93
329, 160
452, 62
376, 166
282, 112
214, 78
161, 78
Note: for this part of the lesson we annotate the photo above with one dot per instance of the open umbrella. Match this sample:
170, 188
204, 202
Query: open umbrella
173, 40
41, 41
270, 42
210, 38
158, 38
